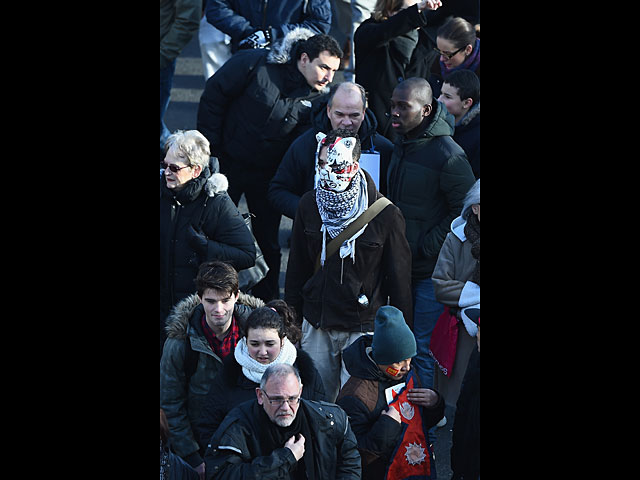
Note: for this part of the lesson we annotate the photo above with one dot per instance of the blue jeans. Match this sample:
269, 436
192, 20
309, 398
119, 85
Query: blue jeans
166, 81
426, 311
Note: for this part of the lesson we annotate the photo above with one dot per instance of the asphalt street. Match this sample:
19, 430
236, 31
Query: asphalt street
188, 85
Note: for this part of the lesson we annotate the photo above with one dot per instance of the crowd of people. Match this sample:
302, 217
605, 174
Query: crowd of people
380, 174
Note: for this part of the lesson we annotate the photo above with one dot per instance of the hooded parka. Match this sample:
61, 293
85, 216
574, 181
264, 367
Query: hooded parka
255, 105
229, 239
428, 179
182, 398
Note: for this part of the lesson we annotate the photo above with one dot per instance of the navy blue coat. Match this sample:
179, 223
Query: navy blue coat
296, 172
240, 18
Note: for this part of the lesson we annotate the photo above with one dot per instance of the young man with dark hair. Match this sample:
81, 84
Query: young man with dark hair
201, 331
251, 110
460, 93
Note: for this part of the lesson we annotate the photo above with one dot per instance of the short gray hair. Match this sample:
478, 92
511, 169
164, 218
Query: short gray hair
472, 198
278, 370
192, 146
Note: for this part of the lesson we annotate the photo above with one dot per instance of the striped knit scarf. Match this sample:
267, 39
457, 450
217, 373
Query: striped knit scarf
338, 210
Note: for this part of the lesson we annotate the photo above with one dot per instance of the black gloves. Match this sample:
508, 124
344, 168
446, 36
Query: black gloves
258, 39
197, 240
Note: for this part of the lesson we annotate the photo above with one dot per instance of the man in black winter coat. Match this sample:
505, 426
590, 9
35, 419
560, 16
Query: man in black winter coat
251, 110
283, 436
345, 108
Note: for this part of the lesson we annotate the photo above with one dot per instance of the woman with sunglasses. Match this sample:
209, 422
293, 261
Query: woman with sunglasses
458, 44
271, 335
392, 46
198, 220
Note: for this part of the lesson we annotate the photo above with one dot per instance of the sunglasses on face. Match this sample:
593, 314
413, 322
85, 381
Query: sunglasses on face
448, 55
173, 167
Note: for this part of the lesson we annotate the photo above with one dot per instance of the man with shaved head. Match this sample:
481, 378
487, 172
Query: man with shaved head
344, 108
428, 178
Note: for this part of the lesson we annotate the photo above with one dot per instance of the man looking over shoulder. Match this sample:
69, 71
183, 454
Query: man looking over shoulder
251, 110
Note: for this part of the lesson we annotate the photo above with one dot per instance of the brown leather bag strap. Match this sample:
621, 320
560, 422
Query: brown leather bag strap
368, 215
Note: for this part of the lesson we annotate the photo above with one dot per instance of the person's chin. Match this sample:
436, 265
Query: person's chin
284, 420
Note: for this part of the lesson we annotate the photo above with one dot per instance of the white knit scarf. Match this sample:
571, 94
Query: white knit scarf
253, 369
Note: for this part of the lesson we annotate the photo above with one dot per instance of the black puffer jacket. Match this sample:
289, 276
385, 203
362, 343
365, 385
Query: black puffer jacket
363, 398
297, 170
229, 238
429, 177
231, 387
242, 457
383, 61
255, 105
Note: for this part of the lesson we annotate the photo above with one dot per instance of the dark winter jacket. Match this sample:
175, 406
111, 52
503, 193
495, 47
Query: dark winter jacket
383, 59
237, 454
240, 18
231, 387
467, 135
363, 398
229, 238
182, 398
296, 172
465, 447
328, 299
428, 179
255, 105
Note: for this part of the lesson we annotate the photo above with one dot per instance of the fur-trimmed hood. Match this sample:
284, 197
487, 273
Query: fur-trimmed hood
178, 320
281, 51
471, 114
216, 183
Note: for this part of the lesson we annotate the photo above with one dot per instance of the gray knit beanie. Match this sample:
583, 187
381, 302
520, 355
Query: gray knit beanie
393, 340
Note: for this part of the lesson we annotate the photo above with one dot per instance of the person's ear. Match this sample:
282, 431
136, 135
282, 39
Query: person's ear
197, 170
259, 395
467, 103
427, 110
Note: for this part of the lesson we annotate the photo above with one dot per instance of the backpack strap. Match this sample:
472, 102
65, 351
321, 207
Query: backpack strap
368, 215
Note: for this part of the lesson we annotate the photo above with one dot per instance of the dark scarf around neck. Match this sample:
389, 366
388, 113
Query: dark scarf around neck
472, 232
273, 436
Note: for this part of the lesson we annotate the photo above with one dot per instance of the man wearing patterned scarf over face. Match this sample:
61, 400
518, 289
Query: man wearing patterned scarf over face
337, 296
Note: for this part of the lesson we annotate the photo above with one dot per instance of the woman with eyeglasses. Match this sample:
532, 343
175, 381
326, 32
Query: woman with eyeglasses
458, 45
198, 220
271, 335
390, 47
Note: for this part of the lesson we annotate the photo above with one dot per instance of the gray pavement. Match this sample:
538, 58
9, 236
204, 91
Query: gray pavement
188, 84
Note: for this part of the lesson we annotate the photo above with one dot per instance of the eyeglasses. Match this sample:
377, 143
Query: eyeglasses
280, 401
173, 167
449, 55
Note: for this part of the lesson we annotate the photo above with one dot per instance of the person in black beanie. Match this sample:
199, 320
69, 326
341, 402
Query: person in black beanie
378, 363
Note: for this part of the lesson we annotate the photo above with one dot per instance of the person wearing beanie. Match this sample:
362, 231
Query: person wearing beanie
378, 363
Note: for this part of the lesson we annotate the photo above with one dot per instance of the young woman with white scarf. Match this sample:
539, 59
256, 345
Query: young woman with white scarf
271, 337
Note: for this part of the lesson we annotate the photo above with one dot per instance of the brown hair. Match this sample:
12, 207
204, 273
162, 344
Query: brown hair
217, 275
385, 7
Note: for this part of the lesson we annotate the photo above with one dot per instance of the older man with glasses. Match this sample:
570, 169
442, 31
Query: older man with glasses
282, 435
